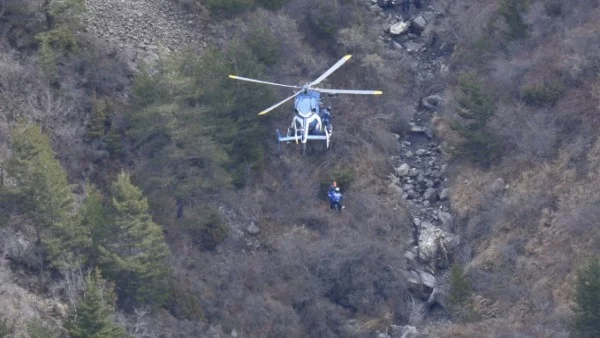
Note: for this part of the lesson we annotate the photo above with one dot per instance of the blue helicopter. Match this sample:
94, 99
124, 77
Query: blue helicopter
307, 123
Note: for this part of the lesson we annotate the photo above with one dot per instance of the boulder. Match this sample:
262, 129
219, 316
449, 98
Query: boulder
447, 220
427, 280
432, 101
399, 28
396, 331
413, 279
431, 194
419, 23
498, 185
438, 296
445, 194
413, 46
253, 229
18, 247
403, 170
409, 332
435, 243
421, 152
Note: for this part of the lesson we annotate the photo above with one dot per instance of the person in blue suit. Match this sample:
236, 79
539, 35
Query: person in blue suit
335, 199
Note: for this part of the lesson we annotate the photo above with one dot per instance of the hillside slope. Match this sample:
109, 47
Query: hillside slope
470, 185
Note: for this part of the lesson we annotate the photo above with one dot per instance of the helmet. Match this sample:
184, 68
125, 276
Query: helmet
328, 107
337, 189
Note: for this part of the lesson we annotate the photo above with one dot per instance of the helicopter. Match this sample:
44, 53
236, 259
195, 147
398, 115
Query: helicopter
307, 123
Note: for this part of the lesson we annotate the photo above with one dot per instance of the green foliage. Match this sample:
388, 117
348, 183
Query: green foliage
39, 329
233, 7
198, 129
476, 105
264, 45
344, 176
511, 11
586, 319
92, 216
324, 18
228, 7
459, 297
545, 94
97, 126
133, 249
45, 195
186, 305
271, 4
5, 329
210, 231
58, 36
92, 317
59, 39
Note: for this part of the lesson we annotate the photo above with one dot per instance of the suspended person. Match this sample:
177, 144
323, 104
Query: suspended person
332, 187
325, 115
335, 199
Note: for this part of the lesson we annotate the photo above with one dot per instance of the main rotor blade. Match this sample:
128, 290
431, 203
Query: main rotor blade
278, 104
331, 70
263, 82
349, 91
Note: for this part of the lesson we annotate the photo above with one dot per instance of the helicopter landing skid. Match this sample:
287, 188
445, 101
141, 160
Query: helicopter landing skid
298, 138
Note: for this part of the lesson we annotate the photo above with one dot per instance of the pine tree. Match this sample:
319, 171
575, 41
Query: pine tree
92, 216
586, 320
460, 293
476, 106
92, 317
45, 197
134, 251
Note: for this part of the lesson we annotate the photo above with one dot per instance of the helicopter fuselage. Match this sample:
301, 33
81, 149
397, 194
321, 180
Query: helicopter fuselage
306, 118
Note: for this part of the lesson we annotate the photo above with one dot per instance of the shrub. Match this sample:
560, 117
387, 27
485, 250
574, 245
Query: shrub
60, 25
546, 94
228, 7
511, 11
586, 319
264, 44
271, 4
554, 8
186, 305
209, 232
459, 297
5, 330
325, 18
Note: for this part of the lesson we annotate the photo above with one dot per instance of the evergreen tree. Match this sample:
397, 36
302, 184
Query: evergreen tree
92, 317
586, 320
45, 197
459, 296
476, 106
92, 216
511, 12
133, 251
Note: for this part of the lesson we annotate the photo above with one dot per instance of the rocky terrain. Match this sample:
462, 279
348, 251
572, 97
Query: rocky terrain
139, 28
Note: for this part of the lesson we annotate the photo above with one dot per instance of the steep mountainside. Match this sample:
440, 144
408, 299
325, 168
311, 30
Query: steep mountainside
140, 193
